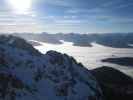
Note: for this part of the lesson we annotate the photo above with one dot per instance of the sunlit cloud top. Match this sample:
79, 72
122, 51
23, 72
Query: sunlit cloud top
82, 16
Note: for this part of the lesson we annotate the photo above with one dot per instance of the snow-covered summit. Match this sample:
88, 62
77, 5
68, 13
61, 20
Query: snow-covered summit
17, 43
26, 74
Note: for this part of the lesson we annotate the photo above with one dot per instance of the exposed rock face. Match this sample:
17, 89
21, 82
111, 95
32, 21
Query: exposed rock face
114, 84
16, 42
26, 74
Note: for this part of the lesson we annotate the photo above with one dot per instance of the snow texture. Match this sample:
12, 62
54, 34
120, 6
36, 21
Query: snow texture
26, 74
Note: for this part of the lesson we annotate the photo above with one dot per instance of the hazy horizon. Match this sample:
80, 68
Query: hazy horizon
66, 32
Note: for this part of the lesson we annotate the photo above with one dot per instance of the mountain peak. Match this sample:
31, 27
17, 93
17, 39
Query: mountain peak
26, 74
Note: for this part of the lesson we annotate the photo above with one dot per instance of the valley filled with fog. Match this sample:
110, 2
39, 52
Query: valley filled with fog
66, 50
90, 57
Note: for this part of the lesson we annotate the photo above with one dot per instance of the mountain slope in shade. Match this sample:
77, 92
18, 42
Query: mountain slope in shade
26, 74
114, 84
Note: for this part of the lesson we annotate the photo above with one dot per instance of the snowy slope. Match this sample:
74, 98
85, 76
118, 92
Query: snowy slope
26, 74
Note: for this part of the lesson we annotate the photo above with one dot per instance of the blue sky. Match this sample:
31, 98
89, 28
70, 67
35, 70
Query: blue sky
81, 16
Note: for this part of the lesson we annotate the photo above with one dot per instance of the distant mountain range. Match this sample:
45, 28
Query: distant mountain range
123, 61
115, 40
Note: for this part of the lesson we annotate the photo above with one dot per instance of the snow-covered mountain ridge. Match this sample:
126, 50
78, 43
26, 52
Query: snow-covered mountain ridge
26, 74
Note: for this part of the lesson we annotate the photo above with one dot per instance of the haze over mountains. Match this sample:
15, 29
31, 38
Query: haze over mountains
116, 40
36, 65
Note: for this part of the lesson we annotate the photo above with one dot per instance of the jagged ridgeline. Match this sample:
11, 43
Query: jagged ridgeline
26, 74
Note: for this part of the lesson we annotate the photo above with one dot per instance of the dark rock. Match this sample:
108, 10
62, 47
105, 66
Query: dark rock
114, 84
124, 61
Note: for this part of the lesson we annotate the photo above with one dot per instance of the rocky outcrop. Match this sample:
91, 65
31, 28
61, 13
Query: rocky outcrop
114, 84
26, 74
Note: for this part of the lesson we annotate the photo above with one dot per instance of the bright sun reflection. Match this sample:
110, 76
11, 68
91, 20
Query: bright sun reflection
20, 6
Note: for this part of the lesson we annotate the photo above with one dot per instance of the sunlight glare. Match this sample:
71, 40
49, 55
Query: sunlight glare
20, 6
